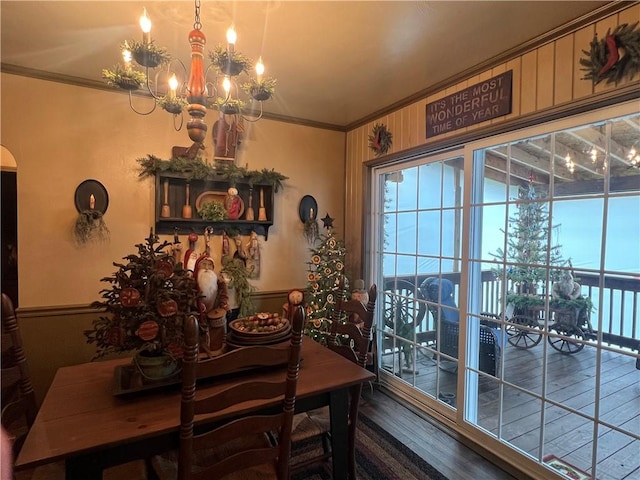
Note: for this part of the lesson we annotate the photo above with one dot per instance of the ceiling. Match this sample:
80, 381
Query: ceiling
336, 63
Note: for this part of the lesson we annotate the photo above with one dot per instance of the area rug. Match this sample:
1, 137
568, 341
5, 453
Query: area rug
565, 468
379, 456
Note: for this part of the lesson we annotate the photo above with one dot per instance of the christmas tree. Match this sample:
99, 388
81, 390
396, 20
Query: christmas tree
527, 243
325, 268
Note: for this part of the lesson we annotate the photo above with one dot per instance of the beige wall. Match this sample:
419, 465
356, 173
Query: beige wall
61, 135
545, 78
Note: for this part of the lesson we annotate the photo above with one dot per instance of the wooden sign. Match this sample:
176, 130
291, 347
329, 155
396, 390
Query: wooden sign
475, 104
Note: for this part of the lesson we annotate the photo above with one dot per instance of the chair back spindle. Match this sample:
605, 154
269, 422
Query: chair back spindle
244, 443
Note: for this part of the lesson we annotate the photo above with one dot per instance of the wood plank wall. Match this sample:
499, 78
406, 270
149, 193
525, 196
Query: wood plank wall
546, 77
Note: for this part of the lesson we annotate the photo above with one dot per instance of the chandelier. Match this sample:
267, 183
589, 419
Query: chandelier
219, 86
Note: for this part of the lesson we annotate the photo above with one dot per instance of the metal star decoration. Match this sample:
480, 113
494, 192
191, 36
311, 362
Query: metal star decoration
328, 221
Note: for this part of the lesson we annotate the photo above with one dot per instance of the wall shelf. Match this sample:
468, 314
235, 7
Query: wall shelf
212, 188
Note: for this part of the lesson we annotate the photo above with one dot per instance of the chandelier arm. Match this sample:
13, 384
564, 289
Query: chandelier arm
137, 111
185, 72
253, 119
149, 89
178, 128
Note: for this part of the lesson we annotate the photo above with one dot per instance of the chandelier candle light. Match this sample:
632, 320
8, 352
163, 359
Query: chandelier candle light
197, 94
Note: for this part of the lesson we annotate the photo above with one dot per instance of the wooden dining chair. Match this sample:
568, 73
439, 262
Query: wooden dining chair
19, 406
351, 339
244, 448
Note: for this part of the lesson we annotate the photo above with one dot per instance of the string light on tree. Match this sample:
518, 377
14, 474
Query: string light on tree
325, 268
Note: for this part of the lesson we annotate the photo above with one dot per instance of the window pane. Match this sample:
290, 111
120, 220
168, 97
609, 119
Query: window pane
430, 186
406, 232
408, 190
429, 233
452, 183
581, 160
623, 231
572, 227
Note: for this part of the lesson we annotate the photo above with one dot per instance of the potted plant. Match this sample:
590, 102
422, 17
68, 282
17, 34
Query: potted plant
213, 211
148, 299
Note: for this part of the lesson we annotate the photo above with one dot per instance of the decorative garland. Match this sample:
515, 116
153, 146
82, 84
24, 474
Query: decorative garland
380, 139
197, 169
235, 268
525, 301
614, 56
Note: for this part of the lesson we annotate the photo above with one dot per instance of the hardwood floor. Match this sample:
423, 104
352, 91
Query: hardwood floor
430, 441
591, 392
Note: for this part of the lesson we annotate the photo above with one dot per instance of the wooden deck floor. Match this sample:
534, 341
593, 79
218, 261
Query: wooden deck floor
572, 395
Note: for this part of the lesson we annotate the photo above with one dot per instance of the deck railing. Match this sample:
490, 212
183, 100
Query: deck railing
616, 313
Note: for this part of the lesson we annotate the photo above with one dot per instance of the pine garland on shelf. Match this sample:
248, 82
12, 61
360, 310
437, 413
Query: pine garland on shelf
197, 168
614, 56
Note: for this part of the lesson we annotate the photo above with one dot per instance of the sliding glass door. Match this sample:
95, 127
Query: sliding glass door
511, 289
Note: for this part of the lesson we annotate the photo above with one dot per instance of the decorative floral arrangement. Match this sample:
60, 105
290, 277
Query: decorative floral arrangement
147, 54
380, 140
213, 211
311, 230
90, 225
173, 105
229, 106
525, 301
127, 79
148, 299
605, 61
229, 63
260, 90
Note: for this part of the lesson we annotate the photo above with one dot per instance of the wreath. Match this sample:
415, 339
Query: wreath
614, 56
380, 139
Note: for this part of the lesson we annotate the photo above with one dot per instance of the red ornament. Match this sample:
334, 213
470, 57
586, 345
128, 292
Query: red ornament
163, 268
612, 54
167, 308
129, 297
148, 330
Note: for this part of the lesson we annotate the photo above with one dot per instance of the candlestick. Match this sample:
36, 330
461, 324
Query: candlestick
231, 39
145, 25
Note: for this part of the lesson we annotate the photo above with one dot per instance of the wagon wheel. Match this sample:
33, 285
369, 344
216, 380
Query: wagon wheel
402, 313
527, 337
402, 304
563, 345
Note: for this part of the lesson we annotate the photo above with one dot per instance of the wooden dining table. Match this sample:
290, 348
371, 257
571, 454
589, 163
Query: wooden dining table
82, 421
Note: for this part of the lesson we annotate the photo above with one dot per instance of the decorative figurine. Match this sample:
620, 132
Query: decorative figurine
232, 204
213, 303
190, 256
253, 260
240, 253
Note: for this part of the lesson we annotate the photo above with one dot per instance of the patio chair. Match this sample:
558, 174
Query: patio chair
351, 340
244, 447
439, 293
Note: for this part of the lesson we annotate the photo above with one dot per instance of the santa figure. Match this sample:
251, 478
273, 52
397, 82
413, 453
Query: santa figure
191, 257
213, 305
